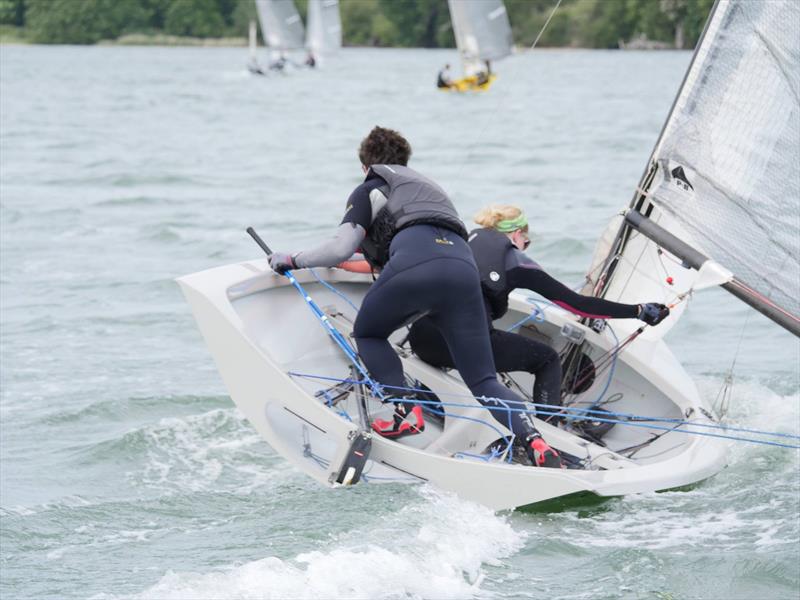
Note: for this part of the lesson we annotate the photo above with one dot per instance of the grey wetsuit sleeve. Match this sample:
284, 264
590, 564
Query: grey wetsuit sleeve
340, 247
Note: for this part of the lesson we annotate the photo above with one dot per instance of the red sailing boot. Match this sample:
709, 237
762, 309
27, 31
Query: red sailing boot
541, 454
402, 424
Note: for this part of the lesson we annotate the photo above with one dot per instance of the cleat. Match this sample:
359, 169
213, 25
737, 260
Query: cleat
402, 424
542, 455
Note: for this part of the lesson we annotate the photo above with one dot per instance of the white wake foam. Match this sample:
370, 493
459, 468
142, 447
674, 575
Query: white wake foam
193, 453
743, 506
433, 548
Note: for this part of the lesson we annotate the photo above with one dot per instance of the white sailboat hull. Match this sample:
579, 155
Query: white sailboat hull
266, 342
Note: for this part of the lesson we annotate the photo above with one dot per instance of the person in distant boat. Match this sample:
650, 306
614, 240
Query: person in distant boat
498, 248
254, 67
279, 64
311, 62
484, 75
444, 80
406, 225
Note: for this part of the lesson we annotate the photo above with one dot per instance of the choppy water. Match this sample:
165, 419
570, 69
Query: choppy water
126, 471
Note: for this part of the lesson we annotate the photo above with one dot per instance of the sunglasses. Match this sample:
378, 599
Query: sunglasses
527, 241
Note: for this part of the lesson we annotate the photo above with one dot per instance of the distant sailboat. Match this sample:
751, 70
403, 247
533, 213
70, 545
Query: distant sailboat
483, 34
324, 32
282, 31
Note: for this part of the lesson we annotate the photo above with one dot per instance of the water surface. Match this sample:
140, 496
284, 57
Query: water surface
127, 472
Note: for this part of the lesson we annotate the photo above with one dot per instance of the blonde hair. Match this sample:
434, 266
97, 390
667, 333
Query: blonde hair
490, 216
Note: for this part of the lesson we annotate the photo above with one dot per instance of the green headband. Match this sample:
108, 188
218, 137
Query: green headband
512, 224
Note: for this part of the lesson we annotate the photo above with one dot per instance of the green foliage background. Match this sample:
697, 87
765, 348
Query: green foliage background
407, 23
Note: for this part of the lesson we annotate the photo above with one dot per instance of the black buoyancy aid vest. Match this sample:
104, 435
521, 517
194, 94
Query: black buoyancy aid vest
412, 199
489, 247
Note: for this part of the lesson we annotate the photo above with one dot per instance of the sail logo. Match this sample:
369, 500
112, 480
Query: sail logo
679, 176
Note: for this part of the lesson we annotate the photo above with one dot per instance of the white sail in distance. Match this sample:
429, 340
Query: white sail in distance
324, 31
481, 29
724, 176
281, 26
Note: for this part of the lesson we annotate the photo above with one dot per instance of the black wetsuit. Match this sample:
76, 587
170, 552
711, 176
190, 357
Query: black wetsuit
431, 270
513, 352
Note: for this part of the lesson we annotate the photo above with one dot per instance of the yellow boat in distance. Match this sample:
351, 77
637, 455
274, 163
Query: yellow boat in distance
470, 84
483, 36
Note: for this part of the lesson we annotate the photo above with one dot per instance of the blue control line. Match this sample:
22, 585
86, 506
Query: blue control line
323, 318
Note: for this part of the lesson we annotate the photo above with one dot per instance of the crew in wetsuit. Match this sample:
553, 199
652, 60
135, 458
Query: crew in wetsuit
279, 64
406, 225
498, 249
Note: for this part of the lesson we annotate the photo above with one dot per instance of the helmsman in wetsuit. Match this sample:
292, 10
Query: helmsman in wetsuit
498, 249
406, 225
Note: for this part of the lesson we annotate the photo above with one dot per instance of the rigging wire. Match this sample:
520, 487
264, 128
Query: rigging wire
546, 23
546, 409
722, 401
334, 290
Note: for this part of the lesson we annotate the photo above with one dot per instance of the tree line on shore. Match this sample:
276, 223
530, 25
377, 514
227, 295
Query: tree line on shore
401, 23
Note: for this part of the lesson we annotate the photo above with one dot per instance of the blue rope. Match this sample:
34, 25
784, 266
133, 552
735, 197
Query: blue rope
537, 316
334, 290
625, 418
614, 354
334, 333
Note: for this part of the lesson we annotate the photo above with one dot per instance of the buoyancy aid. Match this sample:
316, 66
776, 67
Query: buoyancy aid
411, 199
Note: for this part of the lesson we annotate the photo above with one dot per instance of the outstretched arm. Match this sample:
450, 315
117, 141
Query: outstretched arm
346, 240
340, 247
522, 272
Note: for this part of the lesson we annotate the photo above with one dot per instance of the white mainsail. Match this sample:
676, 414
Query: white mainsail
324, 33
724, 176
281, 26
482, 31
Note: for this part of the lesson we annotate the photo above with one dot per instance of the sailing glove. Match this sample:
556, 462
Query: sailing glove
281, 262
653, 313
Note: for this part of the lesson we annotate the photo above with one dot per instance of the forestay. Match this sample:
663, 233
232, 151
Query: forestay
324, 26
281, 25
481, 29
728, 160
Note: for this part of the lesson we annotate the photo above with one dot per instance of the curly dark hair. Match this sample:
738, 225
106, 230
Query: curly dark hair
384, 147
